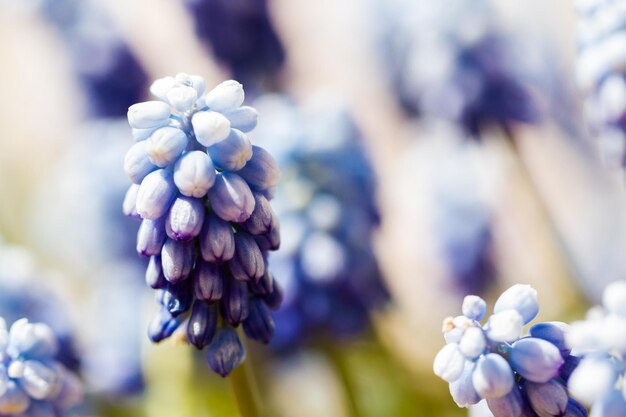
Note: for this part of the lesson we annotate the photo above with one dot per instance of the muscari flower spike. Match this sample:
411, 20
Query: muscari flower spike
202, 191
240, 34
601, 72
32, 381
599, 380
517, 376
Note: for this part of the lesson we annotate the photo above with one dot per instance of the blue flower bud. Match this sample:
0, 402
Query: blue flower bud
137, 164
177, 259
548, 399
473, 343
248, 263
143, 134
154, 273
474, 307
462, 390
197, 82
614, 298
536, 359
194, 174
217, 240
210, 127
449, 363
243, 118
208, 281
505, 326
160, 87
185, 218
522, 298
163, 325
232, 153
265, 286
33, 340
165, 146
14, 400
40, 381
150, 237
569, 366
129, 206
553, 332
226, 96
202, 324
177, 298
155, 194
231, 198
225, 352
148, 114
182, 98
261, 171
235, 301
259, 325
492, 377
575, 409
509, 405
262, 218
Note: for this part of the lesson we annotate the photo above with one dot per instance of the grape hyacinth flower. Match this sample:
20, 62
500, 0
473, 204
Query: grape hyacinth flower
202, 191
517, 376
32, 382
599, 380
240, 34
601, 75
328, 216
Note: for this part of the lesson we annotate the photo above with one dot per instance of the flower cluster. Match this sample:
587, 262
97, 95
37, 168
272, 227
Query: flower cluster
202, 191
518, 376
240, 34
474, 74
600, 72
328, 216
32, 382
599, 380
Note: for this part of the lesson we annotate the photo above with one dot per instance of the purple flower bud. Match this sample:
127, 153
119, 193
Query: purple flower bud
509, 405
154, 273
492, 377
232, 153
248, 263
177, 259
150, 237
165, 145
202, 324
474, 307
462, 390
155, 195
137, 163
548, 399
194, 174
129, 207
210, 127
163, 325
535, 359
231, 198
553, 332
226, 96
449, 363
271, 240
265, 286
208, 281
575, 409
217, 240
243, 118
259, 325
235, 302
14, 400
185, 218
261, 171
571, 363
148, 114
262, 218
275, 298
225, 352
177, 298
522, 298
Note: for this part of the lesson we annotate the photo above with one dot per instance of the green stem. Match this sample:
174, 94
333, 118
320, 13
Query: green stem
338, 361
246, 391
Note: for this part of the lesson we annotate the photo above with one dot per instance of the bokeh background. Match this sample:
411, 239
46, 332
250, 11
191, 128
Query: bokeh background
428, 151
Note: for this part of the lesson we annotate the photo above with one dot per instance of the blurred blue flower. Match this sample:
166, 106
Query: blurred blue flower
240, 34
599, 379
110, 74
515, 375
328, 216
202, 191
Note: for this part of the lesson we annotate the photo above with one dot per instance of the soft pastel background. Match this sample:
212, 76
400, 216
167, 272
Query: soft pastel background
554, 207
